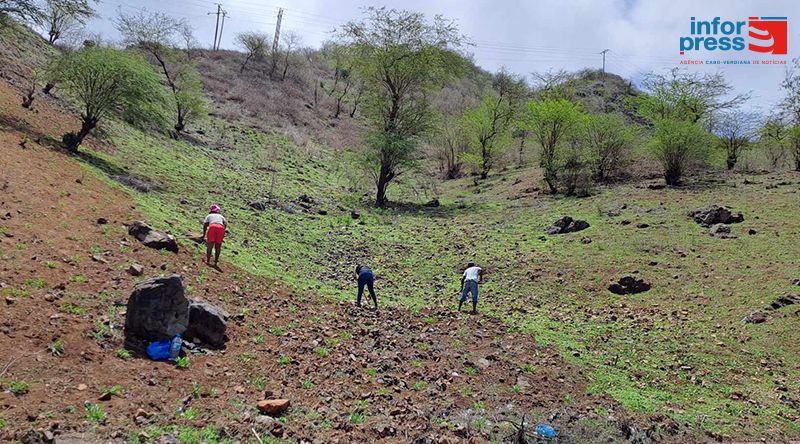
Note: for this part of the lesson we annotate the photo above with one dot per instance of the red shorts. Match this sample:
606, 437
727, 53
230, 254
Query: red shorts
215, 233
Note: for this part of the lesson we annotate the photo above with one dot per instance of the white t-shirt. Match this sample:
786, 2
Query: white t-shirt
215, 218
472, 273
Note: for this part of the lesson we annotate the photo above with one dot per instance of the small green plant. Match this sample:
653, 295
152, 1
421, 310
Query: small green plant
124, 354
73, 238
247, 357
284, 360
528, 368
19, 388
51, 264
197, 390
190, 413
479, 406
292, 325
77, 279
358, 417
417, 363
36, 283
182, 362
419, 386
56, 348
466, 392
471, 371
259, 339
115, 390
259, 382
429, 321
345, 336
277, 330
307, 384
2, 423
516, 388
73, 309
95, 249
321, 351
163, 252
95, 413
372, 371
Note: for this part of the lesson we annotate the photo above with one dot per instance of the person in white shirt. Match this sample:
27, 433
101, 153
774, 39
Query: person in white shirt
469, 284
214, 226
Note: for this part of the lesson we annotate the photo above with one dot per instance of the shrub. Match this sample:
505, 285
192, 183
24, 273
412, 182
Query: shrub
609, 140
677, 144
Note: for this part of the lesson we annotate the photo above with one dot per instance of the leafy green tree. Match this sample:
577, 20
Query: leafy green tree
682, 95
550, 120
155, 35
774, 138
104, 79
400, 57
488, 125
676, 144
62, 16
609, 141
794, 144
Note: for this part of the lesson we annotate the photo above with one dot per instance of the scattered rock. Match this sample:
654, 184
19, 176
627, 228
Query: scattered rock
629, 285
566, 224
322, 212
482, 363
586, 240
796, 282
355, 214
135, 270
98, 258
625, 222
195, 237
721, 231
102, 221
10, 300
715, 215
783, 301
137, 184
751, 232
656, 186
82, 387
152, 238
157, 309
432, 203
756, 317
207, 323
273, 407
642, 225
257, 205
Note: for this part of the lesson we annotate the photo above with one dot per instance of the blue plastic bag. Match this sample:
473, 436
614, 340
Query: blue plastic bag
159, 350
545, 431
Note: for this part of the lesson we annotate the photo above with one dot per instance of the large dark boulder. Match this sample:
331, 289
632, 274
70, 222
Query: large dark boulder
157, 309
629, 285
207, 323
715, 215
566, 224
152, 238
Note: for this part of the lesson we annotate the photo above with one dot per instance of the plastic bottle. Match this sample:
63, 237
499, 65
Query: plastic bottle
545, 431
175, 347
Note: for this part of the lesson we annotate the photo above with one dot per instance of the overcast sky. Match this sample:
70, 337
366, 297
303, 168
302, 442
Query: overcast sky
523, 36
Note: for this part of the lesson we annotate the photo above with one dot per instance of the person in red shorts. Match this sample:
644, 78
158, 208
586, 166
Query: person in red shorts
214, 231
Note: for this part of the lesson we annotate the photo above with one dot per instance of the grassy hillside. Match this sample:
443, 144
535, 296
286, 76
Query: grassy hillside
678, 352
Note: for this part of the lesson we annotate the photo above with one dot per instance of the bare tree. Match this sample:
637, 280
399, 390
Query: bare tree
774, 138
291, 40
22, 9
255, 44
736, 131
62, 16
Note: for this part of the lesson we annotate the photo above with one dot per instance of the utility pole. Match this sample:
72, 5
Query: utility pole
604, 60
221, 27
275, 42
216, 27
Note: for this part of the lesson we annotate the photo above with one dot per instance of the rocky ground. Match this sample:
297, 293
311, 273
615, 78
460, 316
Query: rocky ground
351, 375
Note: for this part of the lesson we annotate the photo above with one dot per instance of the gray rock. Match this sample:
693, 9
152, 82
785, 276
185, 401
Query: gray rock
566, 224
719, 230
207, 323
152, 238
157, 309
135, 270
715, 215
755, 317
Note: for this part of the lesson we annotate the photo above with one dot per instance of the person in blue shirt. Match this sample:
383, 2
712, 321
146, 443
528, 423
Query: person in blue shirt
365, 277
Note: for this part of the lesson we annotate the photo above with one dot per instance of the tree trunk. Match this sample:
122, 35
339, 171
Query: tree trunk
731, 162
672, 176
383, 183
48, 87
73, 140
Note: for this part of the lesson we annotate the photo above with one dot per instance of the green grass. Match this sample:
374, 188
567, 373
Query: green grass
123, 354
552, 287
182, 362
18, 388
95, 413
56, 348
284, 360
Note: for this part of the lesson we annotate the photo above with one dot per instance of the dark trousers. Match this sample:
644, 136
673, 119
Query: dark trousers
366, 279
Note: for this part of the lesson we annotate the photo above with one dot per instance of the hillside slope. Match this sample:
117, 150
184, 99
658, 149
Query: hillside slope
351, 375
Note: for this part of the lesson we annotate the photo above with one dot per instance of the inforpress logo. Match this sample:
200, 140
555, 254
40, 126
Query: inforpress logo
757, 34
